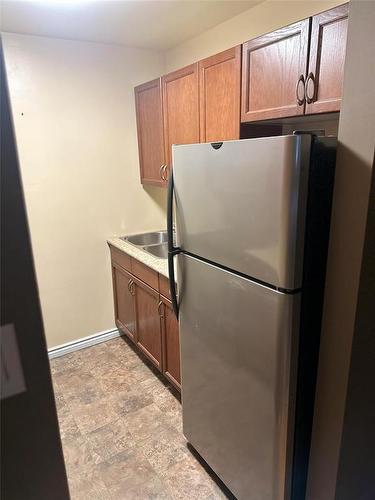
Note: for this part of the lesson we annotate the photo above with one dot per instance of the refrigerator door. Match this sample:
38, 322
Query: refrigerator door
238, 345
243, 205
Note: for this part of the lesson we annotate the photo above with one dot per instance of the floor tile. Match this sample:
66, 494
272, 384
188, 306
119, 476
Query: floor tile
62, 363
113, 381
121, 349
129, 475
110, 439
167, 402
59, 397
68, 425
87, 486
92, 357
188, 480
78, 456
131, 401
140, 371
164, 450
91, 416
79, 387
121, 429
147, 422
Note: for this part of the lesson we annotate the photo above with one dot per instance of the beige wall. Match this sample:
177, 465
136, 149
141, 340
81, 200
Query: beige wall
262, 18
75, 123
73, 108
349, 213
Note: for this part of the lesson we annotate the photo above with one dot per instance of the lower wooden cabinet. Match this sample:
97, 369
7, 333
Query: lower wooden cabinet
148, 322
171, 343
124, 298
144, 313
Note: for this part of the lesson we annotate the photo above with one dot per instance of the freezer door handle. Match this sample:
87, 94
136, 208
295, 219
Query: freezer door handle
172, 251
172, 283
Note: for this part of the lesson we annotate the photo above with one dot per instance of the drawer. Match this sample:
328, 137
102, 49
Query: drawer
144, 273
164, 286
121, 258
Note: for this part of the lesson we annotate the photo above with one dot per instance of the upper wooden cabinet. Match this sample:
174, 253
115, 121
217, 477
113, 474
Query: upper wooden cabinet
198, 103
180, 108
148, 103
327, 58
292, 72
272, 65
219, 91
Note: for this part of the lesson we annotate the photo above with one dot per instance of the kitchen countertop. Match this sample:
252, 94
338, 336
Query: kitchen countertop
155, 263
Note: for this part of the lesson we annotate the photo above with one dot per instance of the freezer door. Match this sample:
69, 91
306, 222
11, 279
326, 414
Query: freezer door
243, 205
238, 377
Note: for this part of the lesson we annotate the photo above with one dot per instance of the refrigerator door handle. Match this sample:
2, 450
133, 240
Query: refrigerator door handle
172, 251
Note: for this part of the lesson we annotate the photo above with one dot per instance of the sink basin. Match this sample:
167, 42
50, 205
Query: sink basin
160, 251
145, 239
155, 243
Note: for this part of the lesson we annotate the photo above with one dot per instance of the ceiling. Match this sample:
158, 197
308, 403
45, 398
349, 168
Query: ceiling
146, 24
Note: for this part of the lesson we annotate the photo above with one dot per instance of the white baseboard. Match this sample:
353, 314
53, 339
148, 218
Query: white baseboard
82, 343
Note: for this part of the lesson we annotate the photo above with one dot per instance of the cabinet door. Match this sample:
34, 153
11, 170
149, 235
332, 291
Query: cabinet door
327, 58
171, 344
219, 91
148, 105
148, 322
180, 108
274, 70
123, 292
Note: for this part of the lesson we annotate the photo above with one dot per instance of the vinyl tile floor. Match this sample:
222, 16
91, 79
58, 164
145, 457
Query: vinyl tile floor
121, 429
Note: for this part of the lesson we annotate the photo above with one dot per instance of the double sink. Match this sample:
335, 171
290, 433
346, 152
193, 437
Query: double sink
155, 243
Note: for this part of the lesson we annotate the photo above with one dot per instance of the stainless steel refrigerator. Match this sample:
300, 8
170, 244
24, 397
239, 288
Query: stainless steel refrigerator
252, 223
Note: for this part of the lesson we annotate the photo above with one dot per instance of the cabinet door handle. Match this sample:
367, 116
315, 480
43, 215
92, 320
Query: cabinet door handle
310, 98
301, 80
131, 287
165, 172
161, 169
159, 309
129, 284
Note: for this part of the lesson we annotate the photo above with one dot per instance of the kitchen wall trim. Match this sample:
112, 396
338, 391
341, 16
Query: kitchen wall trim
84, 342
